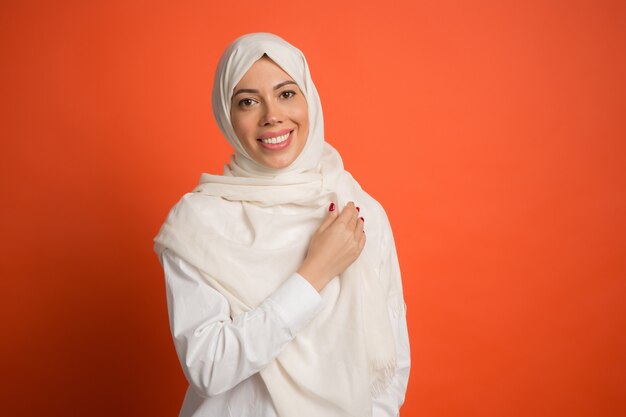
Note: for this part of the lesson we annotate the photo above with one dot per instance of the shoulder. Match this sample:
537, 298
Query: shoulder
192, 215
373, 211
194, 207
377, 225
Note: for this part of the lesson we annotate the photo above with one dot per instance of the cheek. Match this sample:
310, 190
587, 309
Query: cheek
304, 121
243, 126
301, 115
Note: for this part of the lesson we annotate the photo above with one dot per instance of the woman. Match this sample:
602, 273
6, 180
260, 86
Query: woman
283, 301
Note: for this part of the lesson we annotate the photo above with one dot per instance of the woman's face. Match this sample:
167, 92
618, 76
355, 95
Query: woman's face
270, 115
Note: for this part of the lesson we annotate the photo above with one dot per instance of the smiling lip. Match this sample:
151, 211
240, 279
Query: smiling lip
268, 135
276, 146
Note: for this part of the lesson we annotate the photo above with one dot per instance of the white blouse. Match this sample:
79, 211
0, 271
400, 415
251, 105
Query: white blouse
222, 355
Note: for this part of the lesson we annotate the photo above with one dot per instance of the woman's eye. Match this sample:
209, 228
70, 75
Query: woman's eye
287, 94
246, 102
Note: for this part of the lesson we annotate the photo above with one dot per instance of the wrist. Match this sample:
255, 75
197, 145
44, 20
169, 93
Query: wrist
313, 275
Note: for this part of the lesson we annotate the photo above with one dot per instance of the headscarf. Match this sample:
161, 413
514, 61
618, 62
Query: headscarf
248, 230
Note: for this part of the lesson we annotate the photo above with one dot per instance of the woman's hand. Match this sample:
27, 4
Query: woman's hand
334, 246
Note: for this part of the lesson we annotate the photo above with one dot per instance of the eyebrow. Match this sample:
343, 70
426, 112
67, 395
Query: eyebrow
253, 91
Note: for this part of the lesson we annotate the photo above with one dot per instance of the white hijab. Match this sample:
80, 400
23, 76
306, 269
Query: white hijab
249, 229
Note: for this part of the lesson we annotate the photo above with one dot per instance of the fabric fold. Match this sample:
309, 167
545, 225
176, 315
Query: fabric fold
248, 231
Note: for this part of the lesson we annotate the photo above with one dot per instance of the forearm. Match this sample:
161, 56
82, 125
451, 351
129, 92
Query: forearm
216, 351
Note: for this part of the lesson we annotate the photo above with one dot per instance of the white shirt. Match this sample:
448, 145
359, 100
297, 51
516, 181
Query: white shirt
222, 355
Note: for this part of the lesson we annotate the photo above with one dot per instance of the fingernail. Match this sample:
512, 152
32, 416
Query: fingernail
362, 219
332, 207
358, 209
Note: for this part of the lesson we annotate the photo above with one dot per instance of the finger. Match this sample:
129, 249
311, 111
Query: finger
330, 217
362, 240
354, 219
360, 225
349, 215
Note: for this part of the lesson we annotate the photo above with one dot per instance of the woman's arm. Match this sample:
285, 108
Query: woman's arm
218, 351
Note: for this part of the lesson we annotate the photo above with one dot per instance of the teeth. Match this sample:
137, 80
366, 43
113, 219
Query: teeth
277, 139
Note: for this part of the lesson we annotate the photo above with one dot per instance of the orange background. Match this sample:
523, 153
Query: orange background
493, 132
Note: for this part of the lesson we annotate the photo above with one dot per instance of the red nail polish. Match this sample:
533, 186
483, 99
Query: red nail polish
358, 209
332, 207
362, 219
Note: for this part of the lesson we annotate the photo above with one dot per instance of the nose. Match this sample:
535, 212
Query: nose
272, 114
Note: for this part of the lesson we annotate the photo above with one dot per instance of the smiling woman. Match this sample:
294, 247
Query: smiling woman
279, 304
269, 114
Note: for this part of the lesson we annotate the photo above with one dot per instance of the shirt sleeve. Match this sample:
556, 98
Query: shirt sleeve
217, 351
388, 403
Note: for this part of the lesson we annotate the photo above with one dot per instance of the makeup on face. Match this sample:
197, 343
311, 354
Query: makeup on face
269, 114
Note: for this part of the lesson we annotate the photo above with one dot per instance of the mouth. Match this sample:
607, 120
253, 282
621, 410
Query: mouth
277, 141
